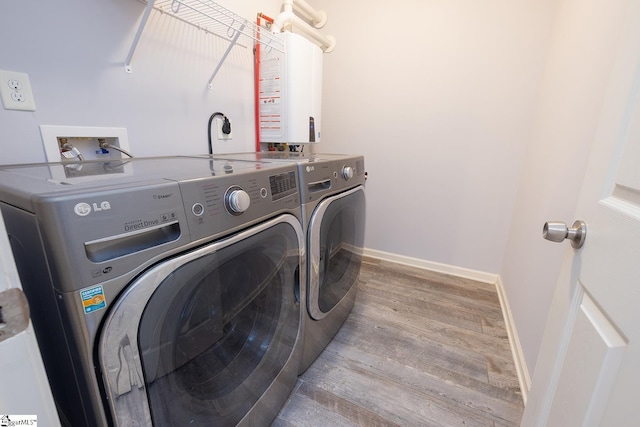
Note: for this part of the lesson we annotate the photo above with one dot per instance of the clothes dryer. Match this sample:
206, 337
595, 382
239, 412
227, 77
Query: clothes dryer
333, 213
163, 291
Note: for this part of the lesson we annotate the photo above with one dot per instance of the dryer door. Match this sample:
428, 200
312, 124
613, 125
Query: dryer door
200, 338
336, 239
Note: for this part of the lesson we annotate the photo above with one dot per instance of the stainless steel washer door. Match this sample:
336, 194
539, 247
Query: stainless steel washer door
336, 239
198, 339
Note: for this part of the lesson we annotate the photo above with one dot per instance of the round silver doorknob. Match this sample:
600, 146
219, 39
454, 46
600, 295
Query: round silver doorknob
557, 231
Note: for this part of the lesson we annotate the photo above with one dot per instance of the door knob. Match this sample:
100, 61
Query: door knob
557, 231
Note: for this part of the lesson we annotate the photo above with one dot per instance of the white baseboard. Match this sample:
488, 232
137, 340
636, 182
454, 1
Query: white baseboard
514, 341
480, 276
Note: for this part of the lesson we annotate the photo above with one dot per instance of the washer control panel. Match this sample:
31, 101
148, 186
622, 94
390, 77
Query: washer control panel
221, 204
122, 215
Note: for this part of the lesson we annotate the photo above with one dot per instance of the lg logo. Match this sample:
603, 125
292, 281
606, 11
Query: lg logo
310, 168
84, 209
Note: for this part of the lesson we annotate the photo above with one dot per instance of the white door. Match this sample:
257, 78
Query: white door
588, 369
24, 388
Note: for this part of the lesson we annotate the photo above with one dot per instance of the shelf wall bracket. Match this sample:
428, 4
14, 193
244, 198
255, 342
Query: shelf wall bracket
224, 56
143, 23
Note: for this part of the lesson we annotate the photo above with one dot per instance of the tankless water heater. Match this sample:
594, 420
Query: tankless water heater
290, 92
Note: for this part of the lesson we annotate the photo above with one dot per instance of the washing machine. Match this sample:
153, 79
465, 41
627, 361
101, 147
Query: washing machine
163, 291
333, 219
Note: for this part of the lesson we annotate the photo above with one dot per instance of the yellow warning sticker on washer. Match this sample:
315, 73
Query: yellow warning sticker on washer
93, 299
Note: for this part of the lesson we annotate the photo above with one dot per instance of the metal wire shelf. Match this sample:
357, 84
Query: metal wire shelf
211, 18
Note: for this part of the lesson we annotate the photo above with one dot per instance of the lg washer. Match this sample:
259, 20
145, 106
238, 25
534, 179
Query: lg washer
163, 291
333, 219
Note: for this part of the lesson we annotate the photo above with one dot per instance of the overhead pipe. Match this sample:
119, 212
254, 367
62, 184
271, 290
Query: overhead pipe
287, 19
317, 17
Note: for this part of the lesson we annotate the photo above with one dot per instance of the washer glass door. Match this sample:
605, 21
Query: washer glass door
212, 329
336, 240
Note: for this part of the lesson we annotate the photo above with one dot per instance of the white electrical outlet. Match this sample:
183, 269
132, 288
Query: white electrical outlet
222, 135
15, 91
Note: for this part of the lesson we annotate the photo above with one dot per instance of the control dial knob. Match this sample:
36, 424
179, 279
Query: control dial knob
237, 200
347, 172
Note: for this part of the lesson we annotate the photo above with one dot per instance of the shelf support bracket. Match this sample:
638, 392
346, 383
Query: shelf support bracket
143, 23
226, 53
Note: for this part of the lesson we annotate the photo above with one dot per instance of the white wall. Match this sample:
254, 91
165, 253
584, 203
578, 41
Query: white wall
438, 96
74, 53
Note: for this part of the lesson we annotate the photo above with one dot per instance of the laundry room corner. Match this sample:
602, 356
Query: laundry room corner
442, 113
442, 97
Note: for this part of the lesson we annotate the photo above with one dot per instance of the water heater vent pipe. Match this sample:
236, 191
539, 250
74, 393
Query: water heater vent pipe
317, 17
289, 18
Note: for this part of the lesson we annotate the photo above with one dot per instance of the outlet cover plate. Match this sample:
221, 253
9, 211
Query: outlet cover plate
222, 135
15, 91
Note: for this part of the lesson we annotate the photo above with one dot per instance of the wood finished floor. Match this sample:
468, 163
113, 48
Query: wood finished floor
419, 349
